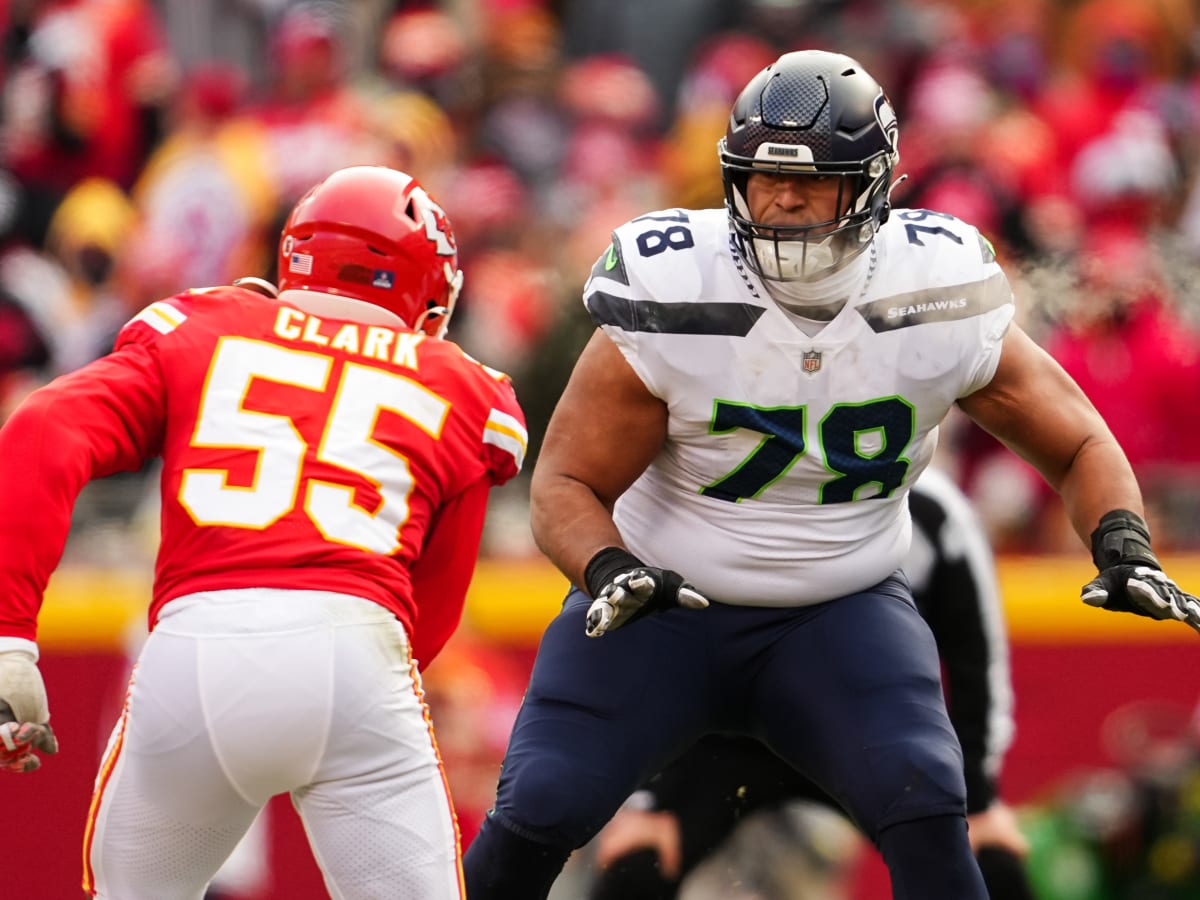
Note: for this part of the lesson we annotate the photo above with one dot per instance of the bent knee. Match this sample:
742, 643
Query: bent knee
554, 804
906, 781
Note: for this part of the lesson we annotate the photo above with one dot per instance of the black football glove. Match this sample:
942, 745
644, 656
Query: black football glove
1131, 579
625, 589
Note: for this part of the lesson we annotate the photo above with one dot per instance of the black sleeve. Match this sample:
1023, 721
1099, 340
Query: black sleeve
954, 582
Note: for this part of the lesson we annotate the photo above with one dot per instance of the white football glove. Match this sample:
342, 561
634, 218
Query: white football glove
624, 590
1130, 578
24, 713
1144, 591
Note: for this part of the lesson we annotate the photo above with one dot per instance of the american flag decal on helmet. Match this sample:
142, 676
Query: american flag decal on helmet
301, 263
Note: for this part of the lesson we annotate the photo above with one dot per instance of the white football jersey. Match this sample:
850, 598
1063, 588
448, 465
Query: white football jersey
788, 458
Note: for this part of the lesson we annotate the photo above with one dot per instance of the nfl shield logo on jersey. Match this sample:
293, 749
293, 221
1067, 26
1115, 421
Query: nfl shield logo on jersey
811, 361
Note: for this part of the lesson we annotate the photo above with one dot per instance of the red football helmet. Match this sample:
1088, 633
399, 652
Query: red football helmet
372, 233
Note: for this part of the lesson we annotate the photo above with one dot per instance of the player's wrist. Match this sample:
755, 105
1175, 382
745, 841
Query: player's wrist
606, 565
21, 645
1122, 538
21, 687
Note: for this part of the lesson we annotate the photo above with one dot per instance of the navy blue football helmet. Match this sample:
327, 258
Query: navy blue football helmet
811, 112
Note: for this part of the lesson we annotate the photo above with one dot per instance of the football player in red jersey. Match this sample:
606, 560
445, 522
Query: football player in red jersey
326, 463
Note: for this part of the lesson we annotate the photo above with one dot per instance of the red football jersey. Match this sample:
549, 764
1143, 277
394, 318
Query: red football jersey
298, 452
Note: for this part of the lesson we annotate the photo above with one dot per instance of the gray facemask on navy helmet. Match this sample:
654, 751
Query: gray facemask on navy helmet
811, 112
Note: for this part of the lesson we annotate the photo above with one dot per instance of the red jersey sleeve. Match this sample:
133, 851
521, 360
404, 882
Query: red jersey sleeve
442, 574
505, 438
104, 418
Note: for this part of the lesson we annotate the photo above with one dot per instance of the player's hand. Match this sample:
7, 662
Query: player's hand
631, 830
1144, 591
997, 826
1130, 578
624, 590
20, 742
638, 592
24, 713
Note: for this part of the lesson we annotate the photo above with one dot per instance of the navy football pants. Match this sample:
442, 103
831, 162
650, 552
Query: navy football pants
849, 692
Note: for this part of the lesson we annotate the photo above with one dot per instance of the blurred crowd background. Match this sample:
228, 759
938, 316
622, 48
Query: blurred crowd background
149, 146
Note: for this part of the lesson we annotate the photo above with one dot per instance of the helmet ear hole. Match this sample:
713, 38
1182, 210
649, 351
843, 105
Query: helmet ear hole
431, 319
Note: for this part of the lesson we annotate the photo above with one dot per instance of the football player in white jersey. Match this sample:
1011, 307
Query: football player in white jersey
664, 842
732, 452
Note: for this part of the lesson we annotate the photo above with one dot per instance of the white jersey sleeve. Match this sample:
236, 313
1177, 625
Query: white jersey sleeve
788, 457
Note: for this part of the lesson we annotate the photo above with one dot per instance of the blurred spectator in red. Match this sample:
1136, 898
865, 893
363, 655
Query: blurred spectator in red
1129, 175
1114, 54
415, 135
610, 89
611, 168
659, 38
204, 196
312, 120
511, 305
491, 207
520, 120
722, 66
608, 176
509, 301
949, 155
424, 49
82, 90
1127, 345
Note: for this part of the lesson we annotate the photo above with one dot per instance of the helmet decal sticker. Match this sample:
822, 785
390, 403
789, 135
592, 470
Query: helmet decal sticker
886, 117
437, 225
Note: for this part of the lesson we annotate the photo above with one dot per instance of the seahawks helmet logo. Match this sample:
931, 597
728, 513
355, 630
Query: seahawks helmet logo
886, 117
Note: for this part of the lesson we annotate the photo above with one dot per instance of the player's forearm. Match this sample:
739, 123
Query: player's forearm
441, 576
570, 524
1098, 480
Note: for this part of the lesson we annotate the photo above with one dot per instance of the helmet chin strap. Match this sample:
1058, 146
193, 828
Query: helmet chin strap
828, 292
454, 277
797, 260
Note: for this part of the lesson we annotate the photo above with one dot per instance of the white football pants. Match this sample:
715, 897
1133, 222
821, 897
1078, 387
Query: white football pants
241, 695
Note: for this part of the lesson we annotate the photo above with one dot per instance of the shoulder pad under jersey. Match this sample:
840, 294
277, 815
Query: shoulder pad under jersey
668, 272
933, 267
162, 317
